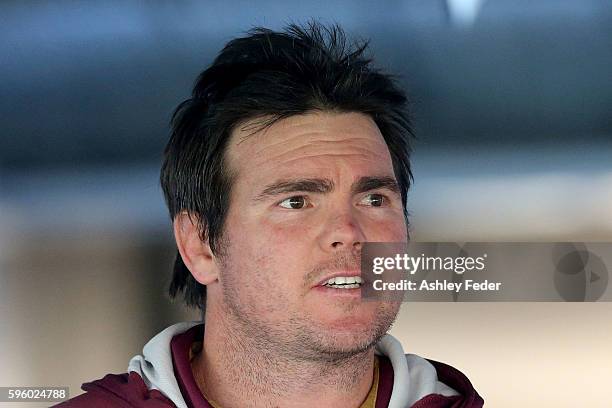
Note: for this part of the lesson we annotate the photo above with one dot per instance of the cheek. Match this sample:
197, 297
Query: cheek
399, 230
289, 235
248, 278
290, 250
271, 256
390, 230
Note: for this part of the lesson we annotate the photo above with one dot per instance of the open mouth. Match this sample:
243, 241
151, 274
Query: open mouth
343, 282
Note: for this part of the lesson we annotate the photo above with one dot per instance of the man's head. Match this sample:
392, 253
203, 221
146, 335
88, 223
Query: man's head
291, 153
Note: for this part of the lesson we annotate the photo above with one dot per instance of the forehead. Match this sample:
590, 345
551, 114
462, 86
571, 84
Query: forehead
313, 144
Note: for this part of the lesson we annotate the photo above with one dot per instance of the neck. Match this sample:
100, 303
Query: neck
233, 370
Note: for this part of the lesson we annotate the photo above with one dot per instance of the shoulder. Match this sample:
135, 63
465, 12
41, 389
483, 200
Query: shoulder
118, 390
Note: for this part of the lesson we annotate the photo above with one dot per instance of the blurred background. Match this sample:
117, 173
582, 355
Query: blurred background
512, 101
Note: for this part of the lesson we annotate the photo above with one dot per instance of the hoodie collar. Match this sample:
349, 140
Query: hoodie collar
414, 377
155, 364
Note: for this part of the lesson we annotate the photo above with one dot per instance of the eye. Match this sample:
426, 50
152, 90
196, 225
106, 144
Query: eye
294, 203
374, 200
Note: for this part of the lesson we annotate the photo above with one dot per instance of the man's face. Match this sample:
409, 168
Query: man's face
308, 191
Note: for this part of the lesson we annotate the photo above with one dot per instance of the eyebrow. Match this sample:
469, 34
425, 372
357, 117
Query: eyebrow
374, 183
321, 186
308, 185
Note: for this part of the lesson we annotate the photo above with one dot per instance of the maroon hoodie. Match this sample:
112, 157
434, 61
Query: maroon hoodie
129, 390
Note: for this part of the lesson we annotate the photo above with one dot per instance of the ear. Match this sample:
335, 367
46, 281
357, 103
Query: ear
196, 253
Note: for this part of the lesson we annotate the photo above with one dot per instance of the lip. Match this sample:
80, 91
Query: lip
350, 273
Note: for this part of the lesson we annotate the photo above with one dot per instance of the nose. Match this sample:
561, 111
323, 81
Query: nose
342, 233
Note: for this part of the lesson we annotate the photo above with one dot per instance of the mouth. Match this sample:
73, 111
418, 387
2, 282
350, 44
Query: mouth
342, 282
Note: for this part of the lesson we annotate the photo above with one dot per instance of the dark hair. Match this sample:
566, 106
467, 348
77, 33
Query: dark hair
269, 75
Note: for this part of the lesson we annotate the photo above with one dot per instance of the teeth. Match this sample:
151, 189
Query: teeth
353, 286
347, 282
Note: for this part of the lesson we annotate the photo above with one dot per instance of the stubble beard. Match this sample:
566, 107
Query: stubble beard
297, 337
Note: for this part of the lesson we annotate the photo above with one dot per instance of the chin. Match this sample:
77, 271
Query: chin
345, 336
344, 344
364, 318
